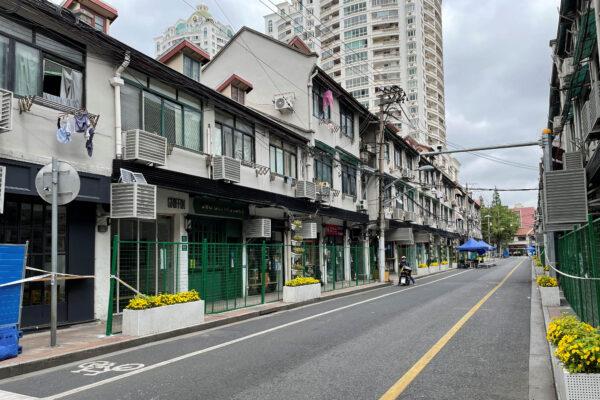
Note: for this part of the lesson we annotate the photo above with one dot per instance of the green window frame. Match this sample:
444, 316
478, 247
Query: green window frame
346, 121
324, 169
233, 137
348, 180
282, 158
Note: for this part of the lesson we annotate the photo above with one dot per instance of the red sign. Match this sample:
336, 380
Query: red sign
334, 230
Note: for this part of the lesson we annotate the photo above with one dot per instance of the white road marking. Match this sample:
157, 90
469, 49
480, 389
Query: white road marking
238, 340
93, 368
14, 396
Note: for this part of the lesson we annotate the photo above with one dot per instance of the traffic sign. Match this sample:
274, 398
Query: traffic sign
68, 183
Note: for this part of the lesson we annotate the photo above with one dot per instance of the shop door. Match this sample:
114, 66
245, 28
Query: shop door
167, 255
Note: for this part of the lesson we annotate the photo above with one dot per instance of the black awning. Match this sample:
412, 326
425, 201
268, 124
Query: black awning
222, 190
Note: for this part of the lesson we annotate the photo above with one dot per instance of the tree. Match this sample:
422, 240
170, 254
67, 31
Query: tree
498, 223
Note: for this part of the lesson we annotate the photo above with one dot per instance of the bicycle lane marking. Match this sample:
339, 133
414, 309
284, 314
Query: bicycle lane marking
238, 340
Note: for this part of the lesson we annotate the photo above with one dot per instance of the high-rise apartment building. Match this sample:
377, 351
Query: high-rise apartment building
365, 44
200, 28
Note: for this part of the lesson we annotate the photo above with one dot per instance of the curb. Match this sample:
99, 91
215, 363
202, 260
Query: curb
37, 365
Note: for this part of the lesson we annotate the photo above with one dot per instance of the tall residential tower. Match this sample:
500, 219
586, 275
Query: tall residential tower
366, 44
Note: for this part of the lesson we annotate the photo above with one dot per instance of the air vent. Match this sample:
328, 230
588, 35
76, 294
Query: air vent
132, 200
144, 147
5, 110
306, 190
573, 160
2, 186
227, 169
258, 228
565, 199
308, 230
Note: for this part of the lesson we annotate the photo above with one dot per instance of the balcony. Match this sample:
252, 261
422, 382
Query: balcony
385, 43
385, 55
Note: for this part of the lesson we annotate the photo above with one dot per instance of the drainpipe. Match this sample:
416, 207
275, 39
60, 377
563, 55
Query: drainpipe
116, 82
310, 114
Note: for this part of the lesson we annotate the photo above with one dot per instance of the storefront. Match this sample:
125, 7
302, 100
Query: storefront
27, 218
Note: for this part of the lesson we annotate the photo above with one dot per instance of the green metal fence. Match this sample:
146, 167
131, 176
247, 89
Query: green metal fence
579, 255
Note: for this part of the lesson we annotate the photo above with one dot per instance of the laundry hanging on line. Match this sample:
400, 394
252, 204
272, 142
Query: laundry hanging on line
80, 122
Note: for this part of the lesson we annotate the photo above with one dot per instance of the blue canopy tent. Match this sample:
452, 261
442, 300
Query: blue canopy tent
531, 250
473, 245
488, 247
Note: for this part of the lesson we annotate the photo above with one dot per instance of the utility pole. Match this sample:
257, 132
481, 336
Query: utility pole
387, 97
547, 139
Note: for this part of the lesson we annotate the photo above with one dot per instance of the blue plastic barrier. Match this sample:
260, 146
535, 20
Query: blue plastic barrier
12, 268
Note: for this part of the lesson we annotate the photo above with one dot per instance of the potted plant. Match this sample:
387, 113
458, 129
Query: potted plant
548, 290
301, 289
575, 349
147, 315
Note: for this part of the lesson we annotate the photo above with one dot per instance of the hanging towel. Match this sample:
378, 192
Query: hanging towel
63, 133
89, 144
82, 122
327, 100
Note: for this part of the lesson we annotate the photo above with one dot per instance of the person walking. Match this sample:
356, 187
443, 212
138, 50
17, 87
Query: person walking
405, 267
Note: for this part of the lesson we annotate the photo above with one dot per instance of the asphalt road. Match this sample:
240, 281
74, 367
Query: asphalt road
354, 347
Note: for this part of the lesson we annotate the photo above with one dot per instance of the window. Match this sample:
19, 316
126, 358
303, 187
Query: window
412, 96
348, 180
412, 58
48, 68
360, 94
411, 46
354, 33
410, 20
362, 80
323, 169
410, 195
99, 22
397, 158
412, 71
191, 68
346, 121
355, 57
181, 125
233, 137
357, 44
317, 98
354, 8
410, 33
356, 20
282, 157
270, 26
238, 94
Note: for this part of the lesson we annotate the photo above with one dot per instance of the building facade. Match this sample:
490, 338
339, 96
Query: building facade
368, 44
200, 29
525, 235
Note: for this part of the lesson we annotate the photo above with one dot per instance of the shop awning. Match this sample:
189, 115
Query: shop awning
586, 37
324, 147
422, 237
347, 157
401, 235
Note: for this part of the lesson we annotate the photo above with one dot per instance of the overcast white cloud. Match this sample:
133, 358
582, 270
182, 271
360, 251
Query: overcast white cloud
497, 68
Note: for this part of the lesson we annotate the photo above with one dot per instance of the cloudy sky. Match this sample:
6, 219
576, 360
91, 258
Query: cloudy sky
497, 67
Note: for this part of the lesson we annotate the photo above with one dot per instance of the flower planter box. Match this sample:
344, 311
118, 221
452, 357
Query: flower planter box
296, 294
550, 296
162, 319
444, 267
539, 270
422, 271
574, 386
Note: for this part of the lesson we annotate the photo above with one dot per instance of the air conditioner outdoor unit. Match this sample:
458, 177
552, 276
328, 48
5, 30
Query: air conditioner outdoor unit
426, 221
594, 112
308, 230
324, 193
306, 190
573, 160
364, 156
132, 200
585, 119
398, 214
557, 126
361, 205
565, 199
258, 228
568, 68
144, 147
284, 103
226, 169
2, 186
407, 173
410, 216
5, 110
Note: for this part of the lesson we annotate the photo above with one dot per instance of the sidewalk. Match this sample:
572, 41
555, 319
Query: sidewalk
88, 340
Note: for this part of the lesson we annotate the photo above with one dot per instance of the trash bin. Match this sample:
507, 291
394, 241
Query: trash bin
9, 341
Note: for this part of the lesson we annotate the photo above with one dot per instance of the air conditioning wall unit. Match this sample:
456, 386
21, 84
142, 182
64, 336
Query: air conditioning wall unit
226, 169
565, 199
306, 190
2, 187
308, 230
258, 228
6, 98
132, 200
284, 103
410, 216
573, 160
407, 174
361, 205
398, 214
144, 147
594, 112
585, 119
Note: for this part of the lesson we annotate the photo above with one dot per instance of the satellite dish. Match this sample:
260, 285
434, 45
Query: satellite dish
68, 183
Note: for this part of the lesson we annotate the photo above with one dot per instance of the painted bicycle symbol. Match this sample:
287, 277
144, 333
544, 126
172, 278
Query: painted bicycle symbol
93, 368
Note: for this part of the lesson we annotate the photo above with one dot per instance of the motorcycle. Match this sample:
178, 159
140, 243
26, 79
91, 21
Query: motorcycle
405, 273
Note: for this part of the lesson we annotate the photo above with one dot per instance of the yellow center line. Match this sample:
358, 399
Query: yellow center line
402, 383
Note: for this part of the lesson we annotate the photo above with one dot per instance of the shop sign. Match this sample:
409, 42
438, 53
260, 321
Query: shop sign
203, 206
172, 202
334, 230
